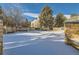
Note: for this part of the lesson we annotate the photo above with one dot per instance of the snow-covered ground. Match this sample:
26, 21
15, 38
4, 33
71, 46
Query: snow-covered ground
37, 42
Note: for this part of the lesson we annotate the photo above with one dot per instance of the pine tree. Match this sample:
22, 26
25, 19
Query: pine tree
46, 19
60, 18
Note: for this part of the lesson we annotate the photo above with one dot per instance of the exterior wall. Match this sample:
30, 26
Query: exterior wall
9, 29
75, 17
35, 24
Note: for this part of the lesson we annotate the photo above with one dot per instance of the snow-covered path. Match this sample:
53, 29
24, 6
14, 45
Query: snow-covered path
37, 43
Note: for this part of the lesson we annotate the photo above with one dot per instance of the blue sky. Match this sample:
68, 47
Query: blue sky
32, 10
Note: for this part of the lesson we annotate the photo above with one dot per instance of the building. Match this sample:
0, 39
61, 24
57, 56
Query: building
35, 23
75, 16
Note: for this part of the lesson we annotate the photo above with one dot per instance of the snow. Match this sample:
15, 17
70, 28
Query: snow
37, 42
28, 34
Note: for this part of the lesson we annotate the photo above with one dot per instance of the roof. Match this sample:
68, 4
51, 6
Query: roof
72, 21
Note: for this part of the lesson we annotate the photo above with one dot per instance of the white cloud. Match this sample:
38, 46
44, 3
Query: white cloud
31, 14
35, 15
68, 16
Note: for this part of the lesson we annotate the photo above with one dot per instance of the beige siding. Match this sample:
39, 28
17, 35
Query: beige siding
35, 24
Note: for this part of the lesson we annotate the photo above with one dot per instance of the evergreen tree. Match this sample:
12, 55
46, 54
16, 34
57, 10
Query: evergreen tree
59, 20
46, 19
